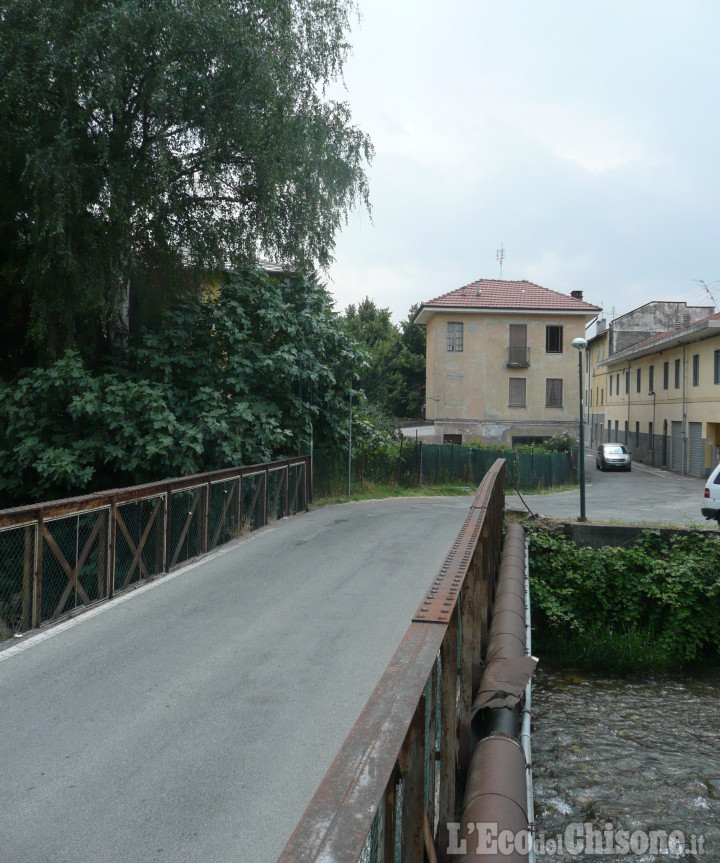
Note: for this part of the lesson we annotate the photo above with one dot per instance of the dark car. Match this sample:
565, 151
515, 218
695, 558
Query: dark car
612, 456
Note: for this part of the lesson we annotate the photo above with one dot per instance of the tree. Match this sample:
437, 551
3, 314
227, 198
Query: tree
240, 375
137, 139
394, 378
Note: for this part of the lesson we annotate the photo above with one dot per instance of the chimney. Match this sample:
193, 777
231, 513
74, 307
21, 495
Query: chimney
686, 319
576, 294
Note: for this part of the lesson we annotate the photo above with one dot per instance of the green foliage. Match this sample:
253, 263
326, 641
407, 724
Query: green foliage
234, 378
140, 139
559, 442
393, 379
664, 592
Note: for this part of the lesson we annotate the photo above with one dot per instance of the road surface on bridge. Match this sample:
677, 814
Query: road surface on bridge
190, 721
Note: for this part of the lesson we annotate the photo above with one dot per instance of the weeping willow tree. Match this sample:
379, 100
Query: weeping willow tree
140, 141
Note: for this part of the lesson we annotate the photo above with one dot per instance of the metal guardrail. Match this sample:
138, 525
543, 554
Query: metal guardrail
397, 784
64, 555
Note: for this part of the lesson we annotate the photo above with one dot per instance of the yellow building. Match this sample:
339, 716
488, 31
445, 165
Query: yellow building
500, 365
663, 397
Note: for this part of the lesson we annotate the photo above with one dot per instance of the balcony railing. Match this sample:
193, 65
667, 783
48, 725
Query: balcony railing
518, 356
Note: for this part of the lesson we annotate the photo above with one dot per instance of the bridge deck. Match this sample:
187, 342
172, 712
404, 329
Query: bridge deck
194, 720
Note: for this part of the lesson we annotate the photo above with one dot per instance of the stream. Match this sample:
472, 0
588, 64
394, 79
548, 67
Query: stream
627, 768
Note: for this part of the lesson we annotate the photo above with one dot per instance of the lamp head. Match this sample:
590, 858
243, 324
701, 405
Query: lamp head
579, 343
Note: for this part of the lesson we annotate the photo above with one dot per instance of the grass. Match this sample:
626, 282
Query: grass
373, 491
632, 651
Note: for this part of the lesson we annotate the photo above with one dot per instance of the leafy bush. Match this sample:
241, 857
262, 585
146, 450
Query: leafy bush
559, 442
239, 376
664, 591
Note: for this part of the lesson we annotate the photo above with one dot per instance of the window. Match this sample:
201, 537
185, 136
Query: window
554, 339
455, 337
627, 381
516, 395
696, 370
455, 439
666, 374
610, 384
637, 434
639, 380
677, 374
617, 384
716, 367
602, 396
650, 436
553, 392
651, 379
517, 348
626, 432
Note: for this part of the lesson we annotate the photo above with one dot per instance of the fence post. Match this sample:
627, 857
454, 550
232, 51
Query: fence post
167, 550
447, 804
37, 610
112, 536
206, 526
266, 496
28, 568
412, 768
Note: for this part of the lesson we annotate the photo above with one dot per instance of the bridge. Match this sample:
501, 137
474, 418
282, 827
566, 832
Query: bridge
193, 717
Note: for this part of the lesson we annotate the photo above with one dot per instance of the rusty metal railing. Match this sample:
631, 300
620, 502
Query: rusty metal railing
396, 786
61, 556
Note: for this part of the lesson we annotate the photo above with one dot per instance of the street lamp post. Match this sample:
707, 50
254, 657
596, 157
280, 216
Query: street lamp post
581, 344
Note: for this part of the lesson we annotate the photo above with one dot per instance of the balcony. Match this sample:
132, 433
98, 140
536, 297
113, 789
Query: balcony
518, 357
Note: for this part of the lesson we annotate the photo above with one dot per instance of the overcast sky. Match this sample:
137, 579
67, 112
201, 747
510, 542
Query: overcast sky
583, 135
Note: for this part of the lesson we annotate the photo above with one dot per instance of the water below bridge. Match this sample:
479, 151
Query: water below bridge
628, 754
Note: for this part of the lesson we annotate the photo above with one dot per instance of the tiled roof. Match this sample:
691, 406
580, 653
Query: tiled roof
502, 294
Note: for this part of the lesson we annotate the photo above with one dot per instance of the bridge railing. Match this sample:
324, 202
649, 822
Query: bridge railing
61, 556
396, 785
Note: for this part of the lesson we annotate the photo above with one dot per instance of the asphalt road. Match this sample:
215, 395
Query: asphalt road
190, 721
645, 495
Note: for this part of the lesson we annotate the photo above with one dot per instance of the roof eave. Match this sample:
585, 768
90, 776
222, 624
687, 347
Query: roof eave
693, 334
426, 311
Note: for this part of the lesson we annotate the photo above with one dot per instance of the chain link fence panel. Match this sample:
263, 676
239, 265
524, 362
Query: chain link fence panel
139, 540
74, 563
188, 509
17, 567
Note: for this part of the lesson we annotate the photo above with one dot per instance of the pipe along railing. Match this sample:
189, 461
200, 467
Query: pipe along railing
59, 557
406, 785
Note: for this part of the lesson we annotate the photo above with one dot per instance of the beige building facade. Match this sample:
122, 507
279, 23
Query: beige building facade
663, 398
500, 364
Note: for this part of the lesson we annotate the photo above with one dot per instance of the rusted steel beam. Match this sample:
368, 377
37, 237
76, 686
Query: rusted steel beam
440, 599
81, 503
448, 804
412, 769
365, 764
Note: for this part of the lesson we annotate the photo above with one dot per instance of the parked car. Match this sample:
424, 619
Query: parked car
612, 456
711, 502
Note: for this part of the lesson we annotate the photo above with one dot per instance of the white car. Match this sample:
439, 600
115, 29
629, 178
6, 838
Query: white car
711, 503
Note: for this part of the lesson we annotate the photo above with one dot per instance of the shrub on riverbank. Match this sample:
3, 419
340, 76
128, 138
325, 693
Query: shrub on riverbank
653, 605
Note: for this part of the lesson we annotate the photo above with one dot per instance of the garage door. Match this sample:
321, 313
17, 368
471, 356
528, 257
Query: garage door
676, 434
697, 450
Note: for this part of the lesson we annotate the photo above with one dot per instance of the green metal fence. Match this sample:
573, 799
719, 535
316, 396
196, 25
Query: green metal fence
413, 464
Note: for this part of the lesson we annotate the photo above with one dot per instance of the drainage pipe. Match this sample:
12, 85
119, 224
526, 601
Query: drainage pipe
496, 791
527, 713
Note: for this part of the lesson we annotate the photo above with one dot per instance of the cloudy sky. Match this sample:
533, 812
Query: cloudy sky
582, 135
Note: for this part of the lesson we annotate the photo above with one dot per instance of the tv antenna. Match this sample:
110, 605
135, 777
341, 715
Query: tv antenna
500, 257
707, 290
